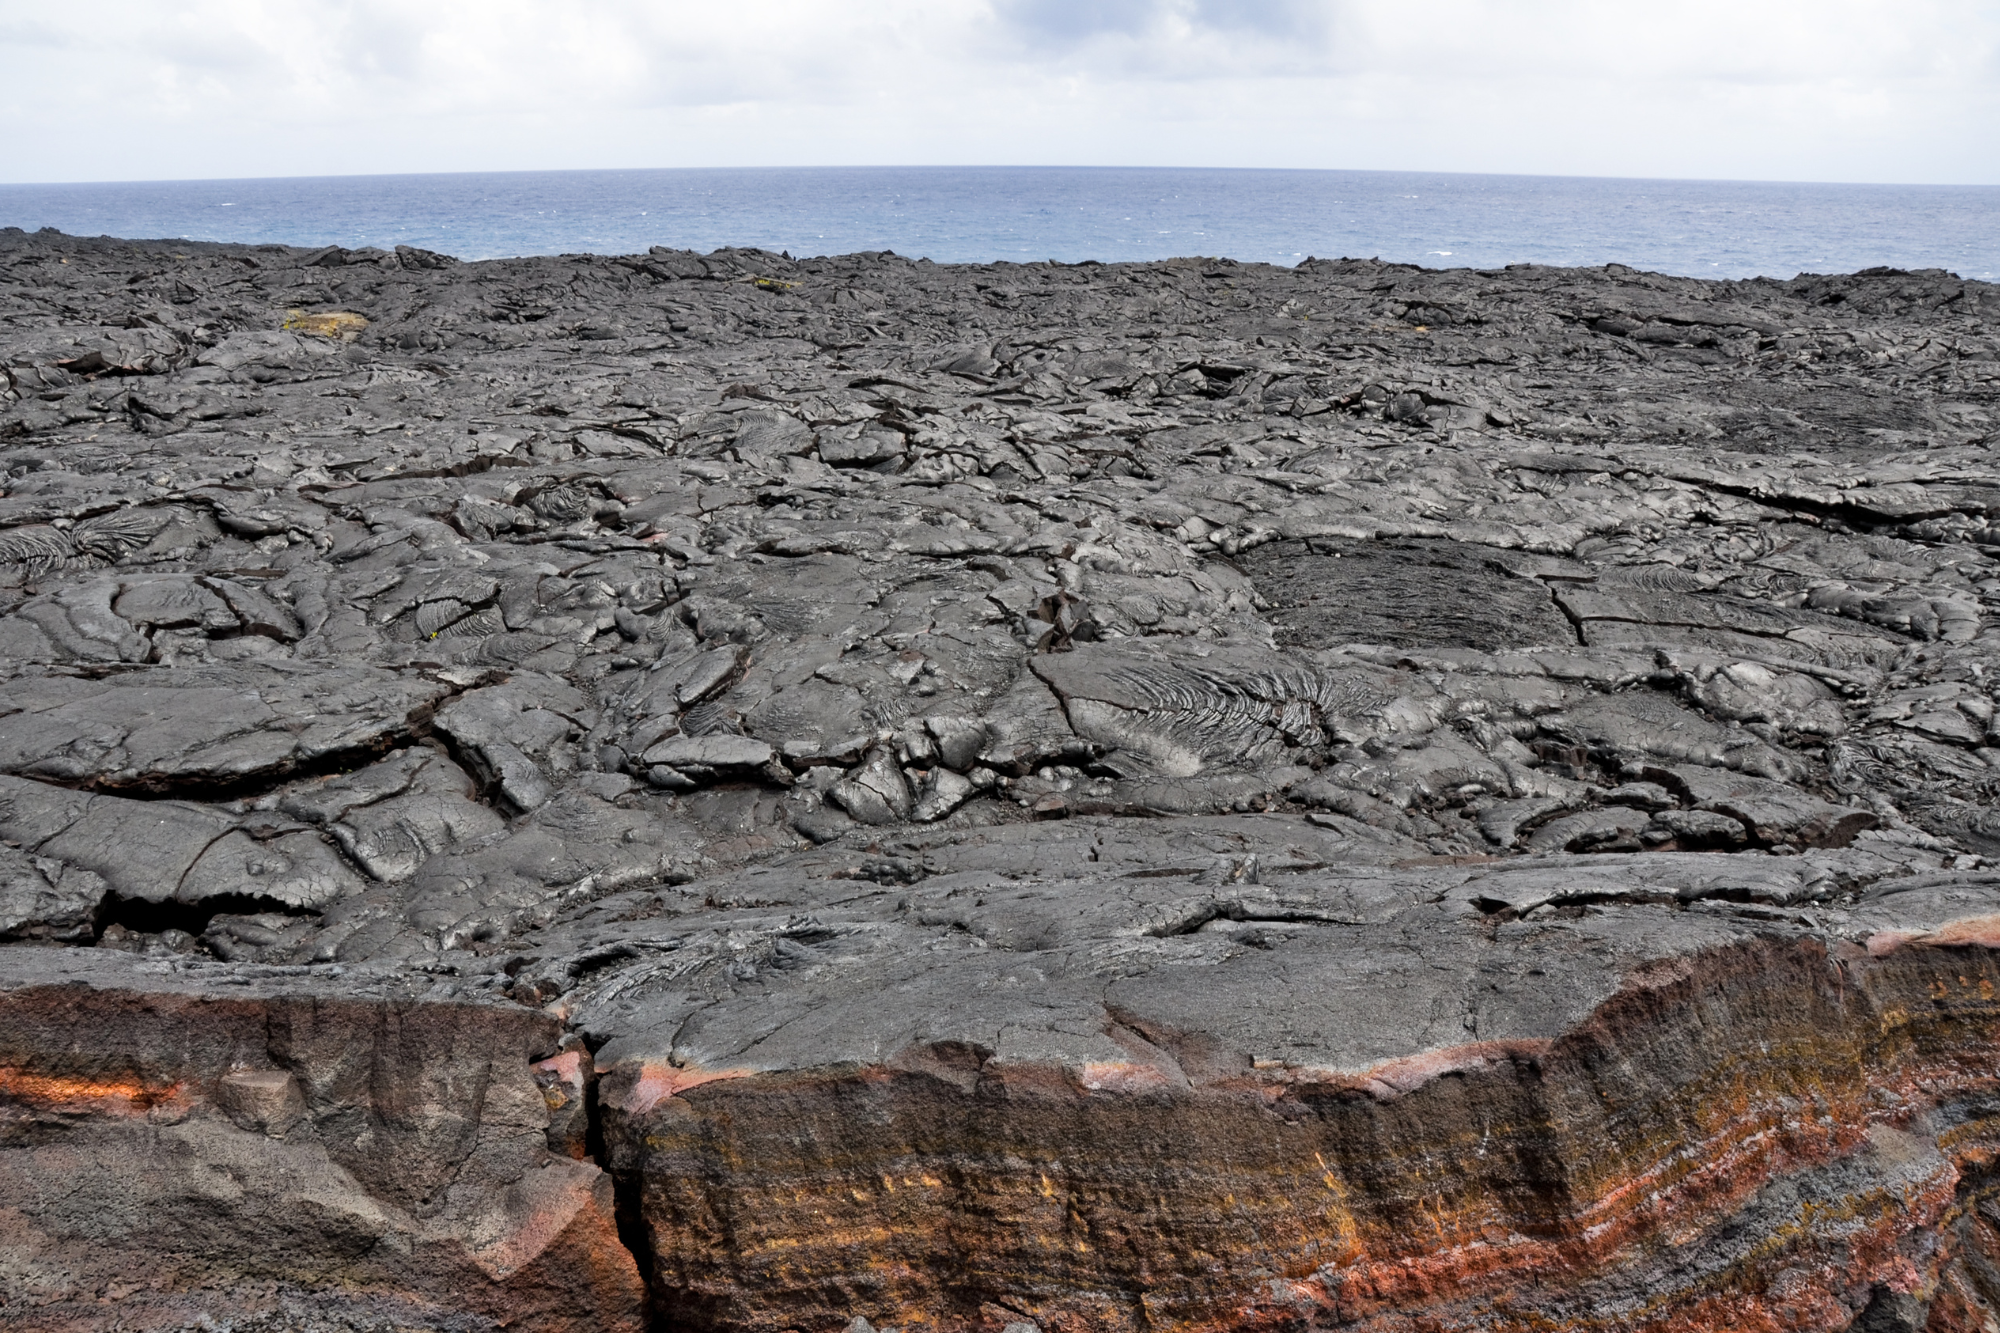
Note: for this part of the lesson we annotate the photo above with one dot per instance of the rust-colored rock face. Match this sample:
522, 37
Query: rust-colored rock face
1772, 1130
1781, 1128
179, 1153
1753, 1141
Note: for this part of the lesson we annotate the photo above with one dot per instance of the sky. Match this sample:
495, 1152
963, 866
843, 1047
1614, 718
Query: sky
1815, 90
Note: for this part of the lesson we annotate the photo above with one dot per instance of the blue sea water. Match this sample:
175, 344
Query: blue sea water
952, 214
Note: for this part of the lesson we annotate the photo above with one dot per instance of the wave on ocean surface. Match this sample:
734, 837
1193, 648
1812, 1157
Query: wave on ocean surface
1727, 229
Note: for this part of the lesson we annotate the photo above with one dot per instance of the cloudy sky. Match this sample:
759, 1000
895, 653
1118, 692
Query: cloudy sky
1830, 90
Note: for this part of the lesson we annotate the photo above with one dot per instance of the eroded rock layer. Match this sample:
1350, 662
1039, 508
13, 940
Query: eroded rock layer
739, 793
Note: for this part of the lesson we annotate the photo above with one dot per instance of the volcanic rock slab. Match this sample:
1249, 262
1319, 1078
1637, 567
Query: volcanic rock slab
741, 793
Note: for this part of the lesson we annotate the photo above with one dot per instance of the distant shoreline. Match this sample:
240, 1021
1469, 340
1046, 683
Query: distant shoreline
1730, 229
335, 255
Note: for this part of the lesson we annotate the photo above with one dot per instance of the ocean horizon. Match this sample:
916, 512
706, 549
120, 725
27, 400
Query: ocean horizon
1721, 229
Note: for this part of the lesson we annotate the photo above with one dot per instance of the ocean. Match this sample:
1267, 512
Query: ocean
1726, 229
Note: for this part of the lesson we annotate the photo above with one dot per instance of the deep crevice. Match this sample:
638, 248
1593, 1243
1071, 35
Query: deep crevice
628, 1206
485, 781
231, 789
150, 918
636, 1235
1857, 517
415, 730
1575, 621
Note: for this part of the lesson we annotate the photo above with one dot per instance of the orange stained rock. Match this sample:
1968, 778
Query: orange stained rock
1400, 1200
1123, 1076
1980, 931
547, 1203
656, 1080
128, 1096
561, 1078
1983, 931
1395, 1078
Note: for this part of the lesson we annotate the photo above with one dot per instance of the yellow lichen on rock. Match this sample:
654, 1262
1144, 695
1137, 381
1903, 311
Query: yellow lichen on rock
342, 324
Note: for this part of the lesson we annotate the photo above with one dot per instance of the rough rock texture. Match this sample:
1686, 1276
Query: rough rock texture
748, 794
179, 1141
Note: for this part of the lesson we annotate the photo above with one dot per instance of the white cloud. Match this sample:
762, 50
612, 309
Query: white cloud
1060, 24
1769, 89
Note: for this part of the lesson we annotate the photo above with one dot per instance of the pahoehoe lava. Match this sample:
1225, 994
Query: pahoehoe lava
1416, 593
749, 794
